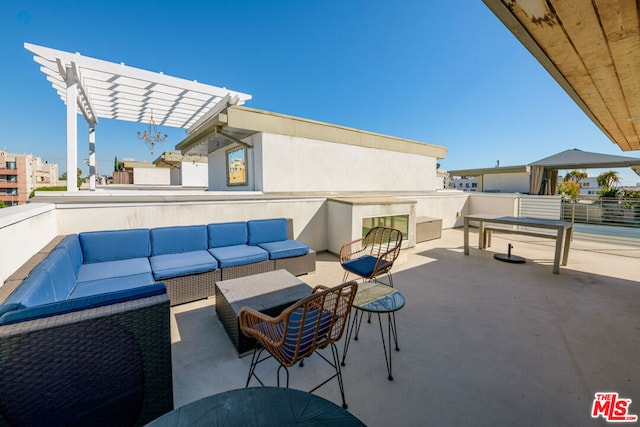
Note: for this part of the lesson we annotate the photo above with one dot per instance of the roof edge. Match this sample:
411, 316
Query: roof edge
270, 122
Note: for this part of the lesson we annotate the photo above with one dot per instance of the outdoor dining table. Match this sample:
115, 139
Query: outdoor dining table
563, 232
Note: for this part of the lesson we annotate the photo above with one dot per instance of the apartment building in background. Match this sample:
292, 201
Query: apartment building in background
20, 174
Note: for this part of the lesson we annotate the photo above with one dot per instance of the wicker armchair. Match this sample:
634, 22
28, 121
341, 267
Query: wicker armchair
373, 255
312, 323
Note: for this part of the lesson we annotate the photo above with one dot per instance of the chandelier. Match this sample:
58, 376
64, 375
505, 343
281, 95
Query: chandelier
152, 135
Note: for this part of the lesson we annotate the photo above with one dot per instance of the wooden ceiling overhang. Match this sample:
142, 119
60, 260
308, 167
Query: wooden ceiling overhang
592, 49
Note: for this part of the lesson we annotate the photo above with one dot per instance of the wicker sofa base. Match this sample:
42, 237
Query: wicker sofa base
192, 287
111, 363
247, 269
297, 265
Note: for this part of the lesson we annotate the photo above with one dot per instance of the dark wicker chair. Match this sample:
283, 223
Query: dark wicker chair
312, 323
373, 255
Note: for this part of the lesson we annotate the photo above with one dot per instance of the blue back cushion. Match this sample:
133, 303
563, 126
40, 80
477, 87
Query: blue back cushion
227, 234
71, 244
100, 246
174, 240
78, 304
61, 273
36, 289
267, 230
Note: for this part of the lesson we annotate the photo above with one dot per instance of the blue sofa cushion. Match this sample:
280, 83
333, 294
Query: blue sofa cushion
363, 266
111, 284
61, 273
71, 244
109, 269
112, 245
266, 230
232, 256
78, 304
36, 289
172, 240
174, 265
227, 234
285, 249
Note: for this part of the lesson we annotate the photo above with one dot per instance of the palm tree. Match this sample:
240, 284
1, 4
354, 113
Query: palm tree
575, 176
609, 182
608, 179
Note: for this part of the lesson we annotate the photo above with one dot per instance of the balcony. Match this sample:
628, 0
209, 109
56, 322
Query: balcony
481, 342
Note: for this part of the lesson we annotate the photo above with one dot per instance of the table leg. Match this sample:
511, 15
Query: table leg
392, 331
481, 244
354, 327
466, 236
567, 242
558, 252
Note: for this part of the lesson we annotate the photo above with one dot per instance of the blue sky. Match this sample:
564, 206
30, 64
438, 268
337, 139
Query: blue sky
429, 71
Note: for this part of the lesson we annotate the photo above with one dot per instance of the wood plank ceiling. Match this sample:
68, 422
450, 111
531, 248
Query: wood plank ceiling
592, 48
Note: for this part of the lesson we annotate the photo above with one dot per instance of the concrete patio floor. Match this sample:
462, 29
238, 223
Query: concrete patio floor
482, 342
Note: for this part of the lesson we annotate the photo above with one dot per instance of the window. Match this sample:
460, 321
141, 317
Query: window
12, 191
237, 166
474, 185
399, 222
11, 165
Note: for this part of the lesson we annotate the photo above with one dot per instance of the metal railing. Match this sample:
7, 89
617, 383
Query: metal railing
603, 211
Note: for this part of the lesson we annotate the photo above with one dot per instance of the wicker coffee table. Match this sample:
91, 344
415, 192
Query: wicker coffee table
269, 293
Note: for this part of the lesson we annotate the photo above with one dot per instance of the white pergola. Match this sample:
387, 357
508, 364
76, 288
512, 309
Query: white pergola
102, 89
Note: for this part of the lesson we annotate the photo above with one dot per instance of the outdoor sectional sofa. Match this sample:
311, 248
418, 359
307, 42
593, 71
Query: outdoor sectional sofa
86, 335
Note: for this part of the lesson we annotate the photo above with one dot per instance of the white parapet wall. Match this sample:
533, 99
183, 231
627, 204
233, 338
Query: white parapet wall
151, 176
308, 214
317, 221
494, 203
24, 230
194, 174
449, 206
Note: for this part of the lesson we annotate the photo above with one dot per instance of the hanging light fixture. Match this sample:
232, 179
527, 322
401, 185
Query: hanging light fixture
152, 135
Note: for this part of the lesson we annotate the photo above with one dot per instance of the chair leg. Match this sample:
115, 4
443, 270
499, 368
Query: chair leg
390, 278
278, 374
344, 278
254, 361
336, 364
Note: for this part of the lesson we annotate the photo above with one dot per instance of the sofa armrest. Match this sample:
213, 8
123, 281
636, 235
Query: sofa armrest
111, 362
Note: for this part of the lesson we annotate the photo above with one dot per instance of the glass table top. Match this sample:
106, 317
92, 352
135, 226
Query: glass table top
378, 298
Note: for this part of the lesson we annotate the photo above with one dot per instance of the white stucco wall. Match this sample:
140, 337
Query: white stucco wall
309, 215
194, 174
24, 230
493, 204
450, 207
217, 167
151, 176
339, 231
175, 176
279, 163
506, 182
300, 164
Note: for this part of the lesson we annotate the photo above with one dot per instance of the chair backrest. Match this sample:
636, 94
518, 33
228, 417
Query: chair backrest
380, 240
314, 322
